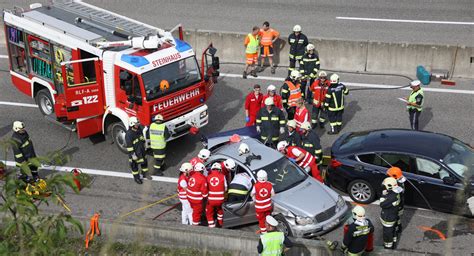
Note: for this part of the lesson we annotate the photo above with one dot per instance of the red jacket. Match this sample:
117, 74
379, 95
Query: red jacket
193, 162
181, 190
263, 196
252, 103
301, 116
276, 100
307, 160
319, 91
197, 188
217, 185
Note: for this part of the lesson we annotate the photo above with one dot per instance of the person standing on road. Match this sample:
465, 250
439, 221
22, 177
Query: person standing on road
318, 91
297, 42
415, 103
269, 36
301, 114
291, 136
389, 202
300, 157
334, 103
187, 211
310, 142
270, 123
397, 174
274, 242
251, 43
271, 93
357, 235
253, 103
217, 184
24, 152
197, 191
136, 150
309, 66
290, 93
262, 194
158, 135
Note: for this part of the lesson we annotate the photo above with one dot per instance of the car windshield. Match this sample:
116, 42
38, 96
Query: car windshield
179, 74
460, 158
284, 175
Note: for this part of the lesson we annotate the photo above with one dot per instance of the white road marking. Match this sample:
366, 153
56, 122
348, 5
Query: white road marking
381, 86
18, 104
408, 21
3, 56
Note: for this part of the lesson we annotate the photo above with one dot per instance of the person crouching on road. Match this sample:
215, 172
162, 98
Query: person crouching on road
397, 174
300, 157
270, 123
217, 185
24, 152
389, 202
262, 194
253, 103
136, 150
274, 242
357, 235
415, 103
252, 44
271, 93
158, 135
197, 191
187, 211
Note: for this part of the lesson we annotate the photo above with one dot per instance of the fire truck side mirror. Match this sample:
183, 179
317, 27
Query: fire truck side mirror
215, 62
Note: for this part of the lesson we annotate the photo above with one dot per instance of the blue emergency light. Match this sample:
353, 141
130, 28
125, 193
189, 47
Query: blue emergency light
182, 46
136, 61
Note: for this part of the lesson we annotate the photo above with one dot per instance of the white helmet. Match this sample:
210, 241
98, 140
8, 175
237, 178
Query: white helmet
306, 126
297, 28
271, 88
291, 123
199, 167
282, 145
415, 83
295, 74
229, 164
323, 73
158, 117
133, 121
269, 101
186, 167
216, 166
309, 47
334, 79
244, 149
204, 154
18, 125
390, 183
262, 175
358, 213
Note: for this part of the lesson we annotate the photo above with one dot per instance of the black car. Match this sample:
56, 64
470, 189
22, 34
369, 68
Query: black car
439, 168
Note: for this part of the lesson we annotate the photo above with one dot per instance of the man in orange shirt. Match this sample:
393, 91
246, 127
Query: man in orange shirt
251, 43
268, 37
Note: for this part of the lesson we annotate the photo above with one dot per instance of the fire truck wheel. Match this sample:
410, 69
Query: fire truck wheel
44, 102
118, 131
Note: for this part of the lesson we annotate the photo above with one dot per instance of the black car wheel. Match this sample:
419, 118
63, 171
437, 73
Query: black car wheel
361, 191
44, 102
283, 226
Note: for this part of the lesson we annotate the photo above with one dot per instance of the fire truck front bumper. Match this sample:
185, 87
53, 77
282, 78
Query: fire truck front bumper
180, 126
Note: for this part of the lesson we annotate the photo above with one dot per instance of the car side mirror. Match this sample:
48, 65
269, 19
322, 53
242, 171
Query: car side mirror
215, 62
449, 180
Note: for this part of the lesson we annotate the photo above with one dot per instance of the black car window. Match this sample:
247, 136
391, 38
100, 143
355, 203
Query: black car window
430, 169
387, 160
353, 141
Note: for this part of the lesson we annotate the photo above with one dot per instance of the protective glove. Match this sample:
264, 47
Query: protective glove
247, 119
344, 249
292, 160
134, 157
258, 129
282, 130
384, 192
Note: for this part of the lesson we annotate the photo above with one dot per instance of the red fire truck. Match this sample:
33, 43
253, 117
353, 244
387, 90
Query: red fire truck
90, 69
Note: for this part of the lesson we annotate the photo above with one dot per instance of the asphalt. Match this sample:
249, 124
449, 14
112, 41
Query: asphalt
317, 17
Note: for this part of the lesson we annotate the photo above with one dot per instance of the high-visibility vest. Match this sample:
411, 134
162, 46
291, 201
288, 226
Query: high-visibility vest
295, 93
272, 243
157, 136
252, 46
412, 99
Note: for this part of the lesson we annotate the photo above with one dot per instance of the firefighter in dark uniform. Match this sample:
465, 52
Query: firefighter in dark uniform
310, 142
389, 202
334, 103
397, 174
24, 152
270, 123
309, 66
158, 134
297, 42
291, 135
290, 93
355, 239
136, 150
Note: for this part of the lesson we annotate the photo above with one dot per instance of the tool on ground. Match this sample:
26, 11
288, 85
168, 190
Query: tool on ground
331, 245
167, 210
93, 229
148, 206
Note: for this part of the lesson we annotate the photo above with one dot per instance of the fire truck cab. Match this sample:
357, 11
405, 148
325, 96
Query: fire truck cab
90, 69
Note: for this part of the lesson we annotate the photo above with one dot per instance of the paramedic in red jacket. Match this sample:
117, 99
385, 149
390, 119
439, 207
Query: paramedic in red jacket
301, 157
253, 102
197, 191
262, 194
217, 185
187, 211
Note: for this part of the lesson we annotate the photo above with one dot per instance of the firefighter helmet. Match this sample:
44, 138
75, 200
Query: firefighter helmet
415, 83
306, 126
243, 149
282, 145
158, 118
133, 121
271, 88
297, 28
271, 221
309, 47
390, 183
204, 154
295, 74
334, 79
229, 164
186, 167
291, 123
199, 167
262, 175
18, 125
358, 213
216, 166
395, 172
269, 101
323, 74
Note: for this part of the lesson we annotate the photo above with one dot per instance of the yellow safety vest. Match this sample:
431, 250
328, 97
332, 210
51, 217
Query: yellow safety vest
157, 136
412, 99
252, 46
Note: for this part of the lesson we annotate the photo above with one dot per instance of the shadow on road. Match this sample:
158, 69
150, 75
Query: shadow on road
349, 112
5, 130
425, 118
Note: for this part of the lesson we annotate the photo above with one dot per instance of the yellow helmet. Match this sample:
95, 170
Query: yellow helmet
390, 183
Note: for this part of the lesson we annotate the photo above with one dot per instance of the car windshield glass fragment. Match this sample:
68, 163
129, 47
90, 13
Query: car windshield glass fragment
460, 158
179, 74
284, 175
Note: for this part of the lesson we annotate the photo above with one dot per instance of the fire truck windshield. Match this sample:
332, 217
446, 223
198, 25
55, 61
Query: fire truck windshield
179, 74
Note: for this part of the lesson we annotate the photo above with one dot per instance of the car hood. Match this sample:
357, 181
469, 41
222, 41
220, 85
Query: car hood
307, 199
216, 140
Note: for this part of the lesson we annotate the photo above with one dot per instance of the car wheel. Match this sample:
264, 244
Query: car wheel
283, 225
361, 191
44, 102
118, 135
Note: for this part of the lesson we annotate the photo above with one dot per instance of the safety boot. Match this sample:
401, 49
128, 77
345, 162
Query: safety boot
253, 73
272, 70
244, 75
146, 175
137, 179
333, 130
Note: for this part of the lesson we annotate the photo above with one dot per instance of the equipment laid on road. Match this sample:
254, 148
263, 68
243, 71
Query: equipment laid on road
90, 69
423, 75
93, 229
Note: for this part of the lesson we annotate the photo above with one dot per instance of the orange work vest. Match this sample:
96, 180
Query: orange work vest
295, 93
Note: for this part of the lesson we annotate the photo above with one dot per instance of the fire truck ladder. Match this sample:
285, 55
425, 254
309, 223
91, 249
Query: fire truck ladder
104, 17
